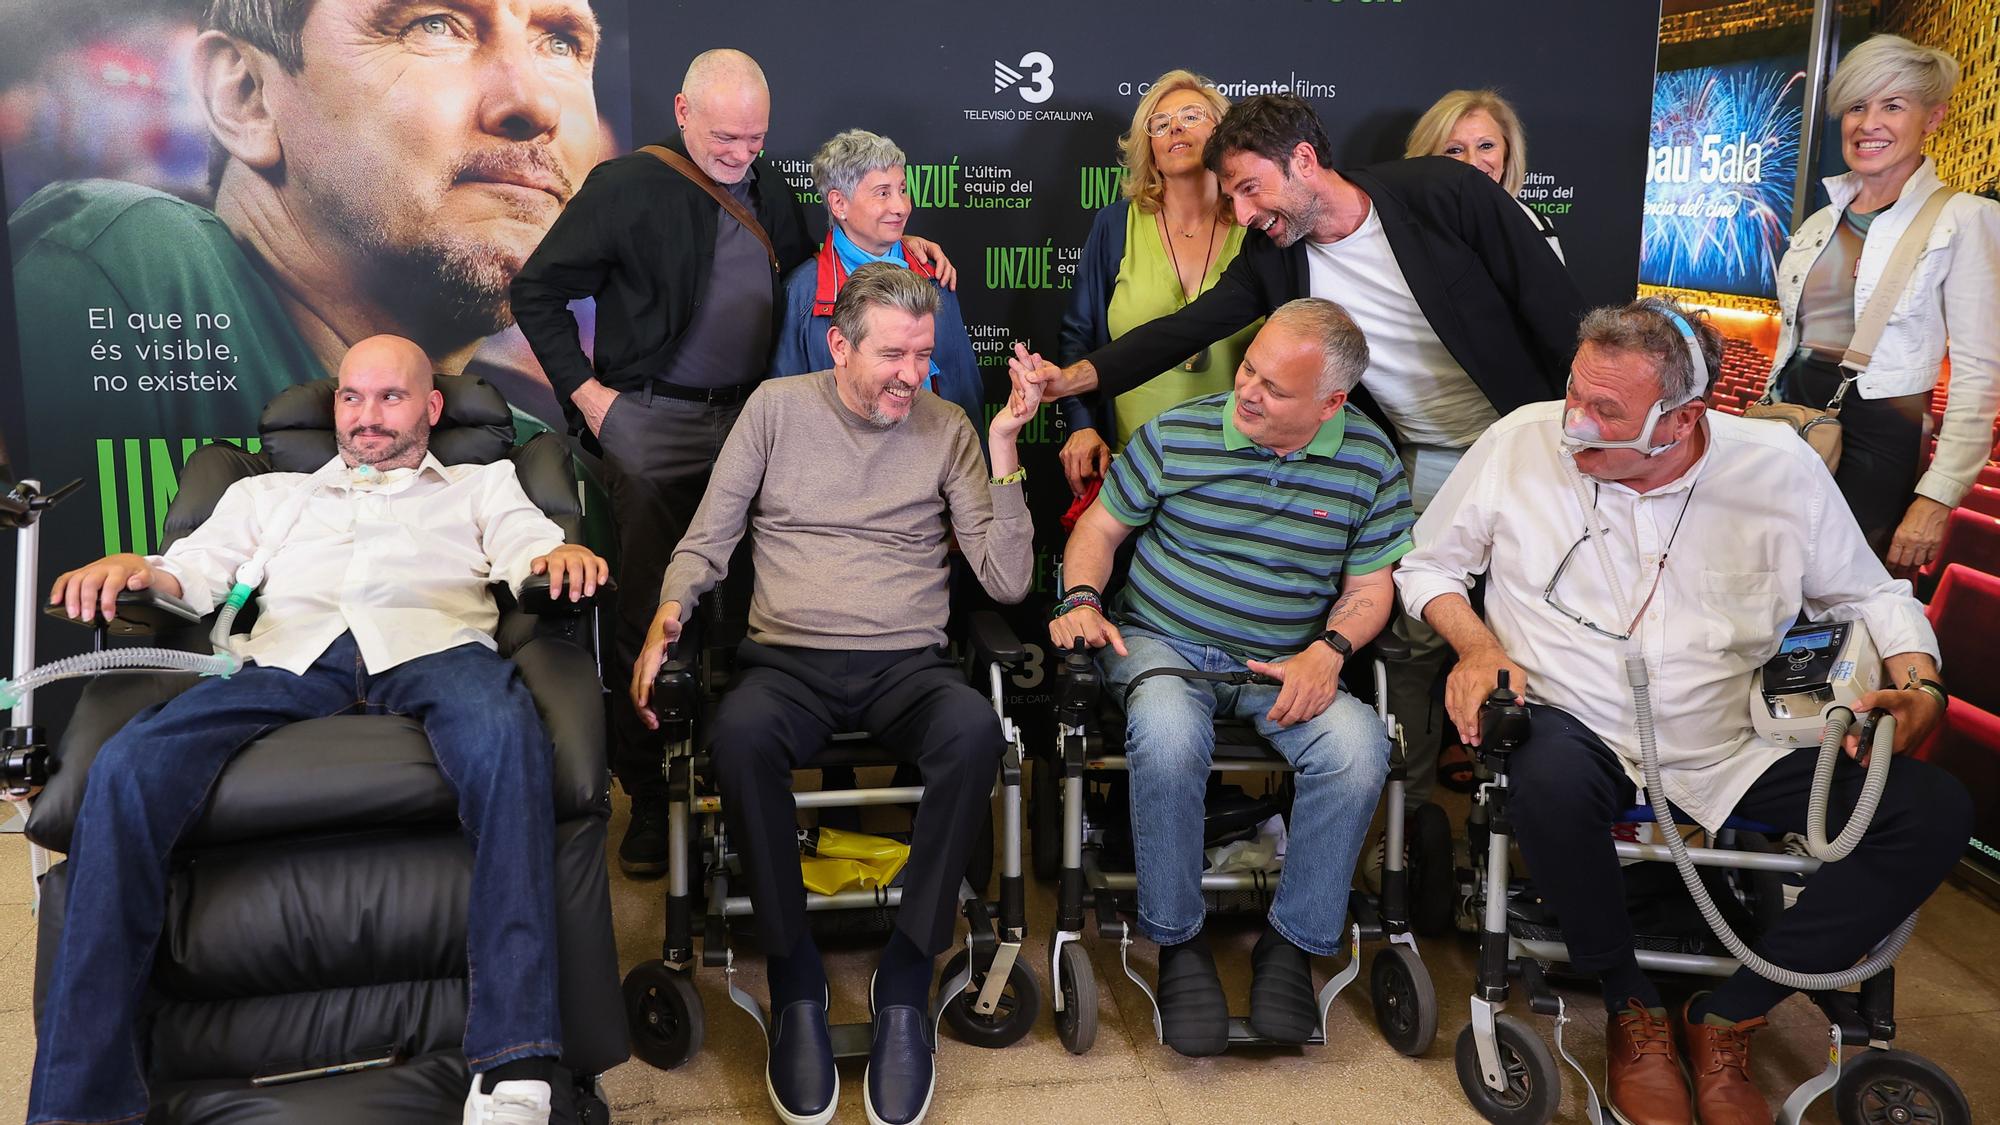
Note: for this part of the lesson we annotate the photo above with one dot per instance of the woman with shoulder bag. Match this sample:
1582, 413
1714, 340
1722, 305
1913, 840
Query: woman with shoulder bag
1871, 289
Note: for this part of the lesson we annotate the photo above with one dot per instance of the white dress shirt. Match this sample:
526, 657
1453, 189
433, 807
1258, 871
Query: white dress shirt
404, 566
1766, 533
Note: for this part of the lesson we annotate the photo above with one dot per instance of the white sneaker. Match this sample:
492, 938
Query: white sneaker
521, 1102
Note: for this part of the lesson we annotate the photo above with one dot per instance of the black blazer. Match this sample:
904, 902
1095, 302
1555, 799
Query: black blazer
640, 238
1498, 298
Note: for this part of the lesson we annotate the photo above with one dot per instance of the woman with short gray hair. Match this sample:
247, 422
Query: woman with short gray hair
1888, 96
862, 179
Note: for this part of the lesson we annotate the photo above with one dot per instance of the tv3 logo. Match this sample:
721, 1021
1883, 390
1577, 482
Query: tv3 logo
1036, 69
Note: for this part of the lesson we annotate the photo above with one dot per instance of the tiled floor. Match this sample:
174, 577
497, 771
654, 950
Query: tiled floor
1948, 1009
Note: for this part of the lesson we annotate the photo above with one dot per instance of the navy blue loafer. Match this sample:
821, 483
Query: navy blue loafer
798, 1071
902, 1068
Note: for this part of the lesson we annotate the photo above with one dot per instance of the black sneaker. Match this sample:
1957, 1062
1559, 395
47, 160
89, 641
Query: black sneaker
644, 849
1283, 1007
1194, 1014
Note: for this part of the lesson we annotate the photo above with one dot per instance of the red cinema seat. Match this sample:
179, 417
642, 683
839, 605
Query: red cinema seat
1965, 613
1970, 538
1982, 498
1967, 745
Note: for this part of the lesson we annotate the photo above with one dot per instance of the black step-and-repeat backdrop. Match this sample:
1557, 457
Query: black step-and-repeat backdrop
181, 250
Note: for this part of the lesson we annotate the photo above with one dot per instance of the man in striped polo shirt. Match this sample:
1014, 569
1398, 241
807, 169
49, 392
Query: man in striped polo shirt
1268, 521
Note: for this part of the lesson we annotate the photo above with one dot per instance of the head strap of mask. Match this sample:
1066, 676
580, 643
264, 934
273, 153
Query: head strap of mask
1642, 441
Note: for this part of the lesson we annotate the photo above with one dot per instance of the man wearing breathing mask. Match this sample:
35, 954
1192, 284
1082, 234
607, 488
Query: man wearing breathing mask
1626, 519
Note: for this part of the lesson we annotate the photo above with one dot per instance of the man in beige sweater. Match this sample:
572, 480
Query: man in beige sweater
851, 482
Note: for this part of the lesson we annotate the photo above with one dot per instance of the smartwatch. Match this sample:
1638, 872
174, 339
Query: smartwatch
1339, 643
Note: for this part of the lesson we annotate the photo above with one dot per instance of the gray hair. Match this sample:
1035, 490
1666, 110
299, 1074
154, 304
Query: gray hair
1891, 64
721, 65
1343, 350
847, 158
1646, 327
880, 285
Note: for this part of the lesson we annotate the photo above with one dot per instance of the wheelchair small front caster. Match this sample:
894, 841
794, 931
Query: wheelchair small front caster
1020, 1005
663, 1013
1405, 1000
1076, 1024
1534, 1089
1894, 1087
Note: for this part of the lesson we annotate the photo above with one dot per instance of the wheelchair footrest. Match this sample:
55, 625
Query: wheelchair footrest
1241, 1035
850, 1040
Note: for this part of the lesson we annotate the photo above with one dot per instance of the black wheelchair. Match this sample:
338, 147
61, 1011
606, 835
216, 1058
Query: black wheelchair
988, 994
262, 967
1508, 1072
1088, 755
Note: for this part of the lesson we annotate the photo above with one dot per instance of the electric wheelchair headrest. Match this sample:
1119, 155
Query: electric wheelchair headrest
476, 428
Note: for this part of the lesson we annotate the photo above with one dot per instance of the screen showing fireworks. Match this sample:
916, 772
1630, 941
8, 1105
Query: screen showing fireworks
1719, 174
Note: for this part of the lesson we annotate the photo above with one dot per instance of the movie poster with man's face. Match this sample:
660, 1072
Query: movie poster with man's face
209, 200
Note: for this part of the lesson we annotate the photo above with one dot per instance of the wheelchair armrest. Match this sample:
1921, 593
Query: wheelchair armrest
995, 643
1386, 647
676, 689
1078, 686
534, 598
141, 613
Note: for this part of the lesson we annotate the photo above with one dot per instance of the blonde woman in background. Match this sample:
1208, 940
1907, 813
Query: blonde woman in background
1888, 96
1479, 128
1148, 254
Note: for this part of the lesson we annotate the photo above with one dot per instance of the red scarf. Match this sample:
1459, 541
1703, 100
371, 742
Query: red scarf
832, 275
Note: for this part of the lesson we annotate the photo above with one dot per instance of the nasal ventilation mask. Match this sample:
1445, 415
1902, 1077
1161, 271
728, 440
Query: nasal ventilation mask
1580, 431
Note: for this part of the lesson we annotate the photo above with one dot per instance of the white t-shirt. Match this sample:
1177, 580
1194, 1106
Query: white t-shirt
1427, 396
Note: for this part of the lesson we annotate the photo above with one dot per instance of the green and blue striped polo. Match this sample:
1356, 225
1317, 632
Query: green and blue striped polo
1243, 549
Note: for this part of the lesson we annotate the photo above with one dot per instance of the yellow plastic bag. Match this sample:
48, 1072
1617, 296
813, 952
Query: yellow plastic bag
831, 860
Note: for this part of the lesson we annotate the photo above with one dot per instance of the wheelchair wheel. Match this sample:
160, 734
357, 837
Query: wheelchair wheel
1076, 1024
1045, 819
1431, 880
663, 1012
1020, 1005
1533, 1086
1895, 1087
1406, 1003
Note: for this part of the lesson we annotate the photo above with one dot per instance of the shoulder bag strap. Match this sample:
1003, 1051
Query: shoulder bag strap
1895, 275
715, 191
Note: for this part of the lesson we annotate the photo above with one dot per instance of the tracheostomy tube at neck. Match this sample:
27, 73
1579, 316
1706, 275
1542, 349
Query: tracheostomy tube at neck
1838, 721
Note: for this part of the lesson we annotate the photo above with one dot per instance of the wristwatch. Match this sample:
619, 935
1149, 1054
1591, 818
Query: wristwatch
1339, 643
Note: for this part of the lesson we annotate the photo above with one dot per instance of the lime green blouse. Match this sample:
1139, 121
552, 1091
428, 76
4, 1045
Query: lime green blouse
1147, 288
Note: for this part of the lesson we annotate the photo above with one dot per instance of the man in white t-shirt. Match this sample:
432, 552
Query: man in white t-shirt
1467, 312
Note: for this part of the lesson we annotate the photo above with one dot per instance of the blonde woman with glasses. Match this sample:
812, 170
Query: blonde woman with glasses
1148, 254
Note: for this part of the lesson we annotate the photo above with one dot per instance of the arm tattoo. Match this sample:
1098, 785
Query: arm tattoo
1349, 605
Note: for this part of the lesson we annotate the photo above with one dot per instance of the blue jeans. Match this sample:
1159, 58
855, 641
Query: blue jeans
150, 783
1341, 759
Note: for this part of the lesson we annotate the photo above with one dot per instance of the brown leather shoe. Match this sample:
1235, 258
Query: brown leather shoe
1642, 1072
1720, 1060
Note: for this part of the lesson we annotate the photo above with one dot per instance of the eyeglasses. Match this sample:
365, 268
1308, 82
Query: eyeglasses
1189, 117
1549, 592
